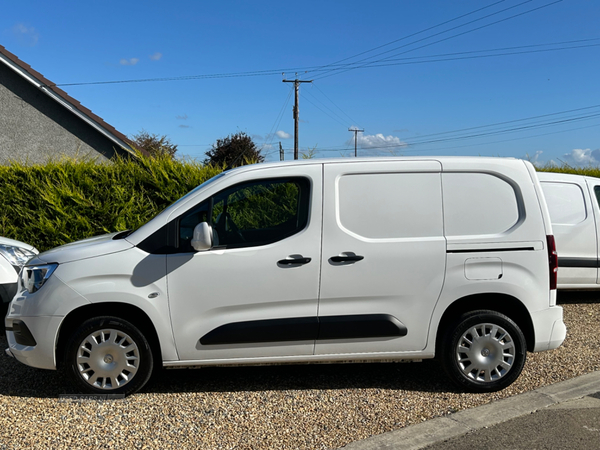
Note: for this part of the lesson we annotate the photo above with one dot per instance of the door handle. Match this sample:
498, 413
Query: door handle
294, 261
346, 258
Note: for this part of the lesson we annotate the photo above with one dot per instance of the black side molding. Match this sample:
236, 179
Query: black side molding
357, 326
255, 331
578, 262
488, 250
360, 326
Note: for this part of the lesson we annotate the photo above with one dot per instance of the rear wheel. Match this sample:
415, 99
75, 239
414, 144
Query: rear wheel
483, 351
108, 355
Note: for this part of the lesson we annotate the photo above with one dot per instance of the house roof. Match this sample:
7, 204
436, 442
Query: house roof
65, 99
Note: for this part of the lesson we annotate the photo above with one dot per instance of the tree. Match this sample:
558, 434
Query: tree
154, 144
233, 151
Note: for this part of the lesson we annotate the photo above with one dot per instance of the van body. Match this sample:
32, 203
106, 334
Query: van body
312, 261
573, 205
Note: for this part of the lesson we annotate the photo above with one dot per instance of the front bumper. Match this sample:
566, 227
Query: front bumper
550, 330
44, 329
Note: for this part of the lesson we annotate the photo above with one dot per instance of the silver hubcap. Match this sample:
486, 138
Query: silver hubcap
108, 359
485, 352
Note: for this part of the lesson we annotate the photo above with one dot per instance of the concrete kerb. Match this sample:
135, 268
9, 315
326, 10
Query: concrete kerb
418, 436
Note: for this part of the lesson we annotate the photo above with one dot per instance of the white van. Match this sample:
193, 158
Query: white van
14, 254
311, 261
573, 204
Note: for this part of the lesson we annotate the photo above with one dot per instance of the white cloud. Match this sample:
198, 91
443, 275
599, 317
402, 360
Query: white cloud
581, 157
378, 141
156, 56
25, 35
129, 62
283, 135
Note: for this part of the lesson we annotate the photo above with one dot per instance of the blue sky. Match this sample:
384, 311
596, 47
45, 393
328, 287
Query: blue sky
526, 86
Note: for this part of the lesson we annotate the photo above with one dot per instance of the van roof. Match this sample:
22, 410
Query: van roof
559, 176
441, 159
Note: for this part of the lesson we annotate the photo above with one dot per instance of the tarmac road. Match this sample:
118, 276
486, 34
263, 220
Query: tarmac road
565, 415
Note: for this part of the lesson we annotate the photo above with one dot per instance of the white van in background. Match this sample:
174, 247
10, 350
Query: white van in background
573, 204
307, 261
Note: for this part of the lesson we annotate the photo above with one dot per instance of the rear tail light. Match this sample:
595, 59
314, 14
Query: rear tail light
552, 260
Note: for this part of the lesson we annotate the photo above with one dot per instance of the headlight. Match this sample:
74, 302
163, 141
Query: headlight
16, 256
34, 277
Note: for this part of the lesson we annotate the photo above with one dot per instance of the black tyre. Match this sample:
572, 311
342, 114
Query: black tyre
483, 351
108, 355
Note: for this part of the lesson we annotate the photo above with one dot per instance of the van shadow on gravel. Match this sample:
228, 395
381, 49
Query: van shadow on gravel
569, 297
427, 376
19, 380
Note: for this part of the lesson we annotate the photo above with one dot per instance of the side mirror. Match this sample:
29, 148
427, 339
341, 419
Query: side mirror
202, 238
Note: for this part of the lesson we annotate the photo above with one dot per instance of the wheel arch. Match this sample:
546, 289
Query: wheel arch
130, 313
502, 303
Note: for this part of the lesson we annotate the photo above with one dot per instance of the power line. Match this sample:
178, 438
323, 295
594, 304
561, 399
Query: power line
351, 119
568, 111
409, 60
372, 64
332, 72
415, 34
406, 145
437, 34
340, 121
271, 135
405, 149
476, 29
426, 139
504, 140
451, 57
510, 130
181, 78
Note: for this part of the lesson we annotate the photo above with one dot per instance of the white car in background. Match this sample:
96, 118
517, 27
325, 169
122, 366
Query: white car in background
573, 203
14, 255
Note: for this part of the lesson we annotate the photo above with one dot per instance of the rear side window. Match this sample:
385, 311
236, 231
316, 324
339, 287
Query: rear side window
478, 204
391, 205
250, 214
565, 202
597, 192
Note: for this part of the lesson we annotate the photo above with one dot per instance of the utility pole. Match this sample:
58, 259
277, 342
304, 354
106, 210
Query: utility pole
356, 130
296, 112
280, 152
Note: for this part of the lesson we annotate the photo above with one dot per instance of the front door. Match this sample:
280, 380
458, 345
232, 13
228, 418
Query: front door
384, 256
254, 294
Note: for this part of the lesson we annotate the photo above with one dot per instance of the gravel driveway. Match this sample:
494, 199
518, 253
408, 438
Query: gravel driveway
274, 407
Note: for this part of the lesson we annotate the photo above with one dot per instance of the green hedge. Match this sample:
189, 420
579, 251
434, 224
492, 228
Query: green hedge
586, 171
64, 201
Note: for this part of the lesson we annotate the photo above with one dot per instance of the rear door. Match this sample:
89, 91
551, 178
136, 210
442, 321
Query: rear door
383, 256
574, 227
594, 191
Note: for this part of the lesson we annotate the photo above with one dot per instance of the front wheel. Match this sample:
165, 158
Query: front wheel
108, 355
483, 351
